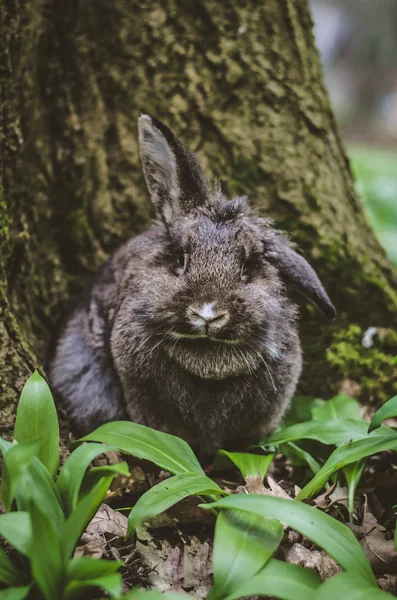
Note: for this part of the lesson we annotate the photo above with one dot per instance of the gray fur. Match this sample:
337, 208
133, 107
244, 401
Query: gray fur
188, 328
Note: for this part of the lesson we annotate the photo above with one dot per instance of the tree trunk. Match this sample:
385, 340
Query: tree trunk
241, 84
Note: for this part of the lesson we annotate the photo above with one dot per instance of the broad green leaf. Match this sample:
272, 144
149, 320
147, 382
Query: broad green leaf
167, 451
45, 557
111, 583
332, 432
15, 461
84, 572
84, 567
15, 593
73, 471
280, 580
16, 528
35, 483
74, 526
243, 543
386, 411
167, 493
339, 407
248, 463
5, 445
9, 574
353, 474
300, 410
348, 454
299, 456
93, 475
334, 537
348, 585
37, 419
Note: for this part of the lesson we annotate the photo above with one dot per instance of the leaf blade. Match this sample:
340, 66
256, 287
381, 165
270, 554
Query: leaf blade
336, 539
243, 544
16, 528
73, 471
388, 410
249, 463
167, 493
167, 451
280, 580
37, 419
345, 455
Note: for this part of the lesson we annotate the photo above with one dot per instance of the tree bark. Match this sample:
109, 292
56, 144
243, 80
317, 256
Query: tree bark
241, 84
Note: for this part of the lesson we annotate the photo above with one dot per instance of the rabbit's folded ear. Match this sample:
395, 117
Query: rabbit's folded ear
295, 269
173, 175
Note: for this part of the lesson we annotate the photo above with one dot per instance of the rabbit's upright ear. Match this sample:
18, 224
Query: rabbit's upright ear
295, 269
174, 177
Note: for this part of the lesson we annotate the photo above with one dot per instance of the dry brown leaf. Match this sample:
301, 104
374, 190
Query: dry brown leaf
276, 489
171, 569
322, 500
313, 559
107, 521
254, 485
106, 524
380, 552
388, 583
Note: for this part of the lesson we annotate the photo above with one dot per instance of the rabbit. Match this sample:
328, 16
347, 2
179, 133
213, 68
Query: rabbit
188, 328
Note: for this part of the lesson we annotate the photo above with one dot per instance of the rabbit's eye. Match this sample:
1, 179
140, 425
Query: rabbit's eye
249, 267
182, 260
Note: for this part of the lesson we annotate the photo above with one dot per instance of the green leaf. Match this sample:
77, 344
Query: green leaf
15, 461
353, 474
300, 410
45, 557
280, 580
84, 572
348, 454
334, 537
84, 567
5, 445
35, 483
73, 472
74, 526
299, 456
332, 432
77, 590
37, 419
248, 463
243, 543
388, 410
167, 451
92, 476
347, 585
339, 407
15, 593
167, 493
9, 574
16, 528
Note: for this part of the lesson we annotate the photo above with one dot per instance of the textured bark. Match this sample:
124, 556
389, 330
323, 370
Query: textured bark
241, 84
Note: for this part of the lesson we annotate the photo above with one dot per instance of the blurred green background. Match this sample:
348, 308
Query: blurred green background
357, 40
375, 170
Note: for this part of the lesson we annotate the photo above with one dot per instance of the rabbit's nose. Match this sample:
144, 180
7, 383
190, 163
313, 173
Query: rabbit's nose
207, 316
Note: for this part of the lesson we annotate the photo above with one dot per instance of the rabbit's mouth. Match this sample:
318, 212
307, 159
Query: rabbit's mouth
211, 358
203, 336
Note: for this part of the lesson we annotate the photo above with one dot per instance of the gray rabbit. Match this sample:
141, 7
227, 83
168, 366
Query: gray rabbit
188, 328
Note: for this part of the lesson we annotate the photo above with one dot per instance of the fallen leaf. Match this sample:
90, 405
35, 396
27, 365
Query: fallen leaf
380, 552
254, 485
313, 559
